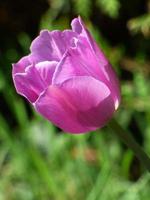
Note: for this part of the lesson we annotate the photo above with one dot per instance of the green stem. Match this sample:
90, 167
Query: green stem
130, 142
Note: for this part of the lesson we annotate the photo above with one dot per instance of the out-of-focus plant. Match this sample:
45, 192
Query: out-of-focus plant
140, 24
83, 7
109, 7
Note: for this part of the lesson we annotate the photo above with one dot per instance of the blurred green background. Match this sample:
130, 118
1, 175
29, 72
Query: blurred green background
37, 160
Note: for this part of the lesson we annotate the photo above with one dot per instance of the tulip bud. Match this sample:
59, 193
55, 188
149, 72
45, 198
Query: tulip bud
68, 79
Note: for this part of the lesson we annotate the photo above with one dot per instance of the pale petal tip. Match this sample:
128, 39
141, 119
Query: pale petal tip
116, 104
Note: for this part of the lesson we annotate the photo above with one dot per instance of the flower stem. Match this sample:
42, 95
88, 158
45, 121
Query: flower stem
130, 142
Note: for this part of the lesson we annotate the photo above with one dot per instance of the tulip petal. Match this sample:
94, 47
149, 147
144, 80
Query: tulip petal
110, 77
113, 84
78, 61
79, 27
20, 66
29, 84
79, 105
46, 70
52, 45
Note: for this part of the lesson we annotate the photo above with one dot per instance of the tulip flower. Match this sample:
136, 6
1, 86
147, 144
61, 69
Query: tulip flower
68, 79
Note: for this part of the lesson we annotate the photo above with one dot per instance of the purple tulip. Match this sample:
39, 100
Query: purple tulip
68, 79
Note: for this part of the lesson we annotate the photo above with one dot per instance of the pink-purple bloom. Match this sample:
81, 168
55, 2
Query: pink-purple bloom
68, 79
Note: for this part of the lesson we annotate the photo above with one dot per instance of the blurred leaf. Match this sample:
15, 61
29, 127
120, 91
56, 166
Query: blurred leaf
12, 54
126, 162
17, 107
140, 24
109, 7
83, 7
24, 42
2, 81
142, 84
